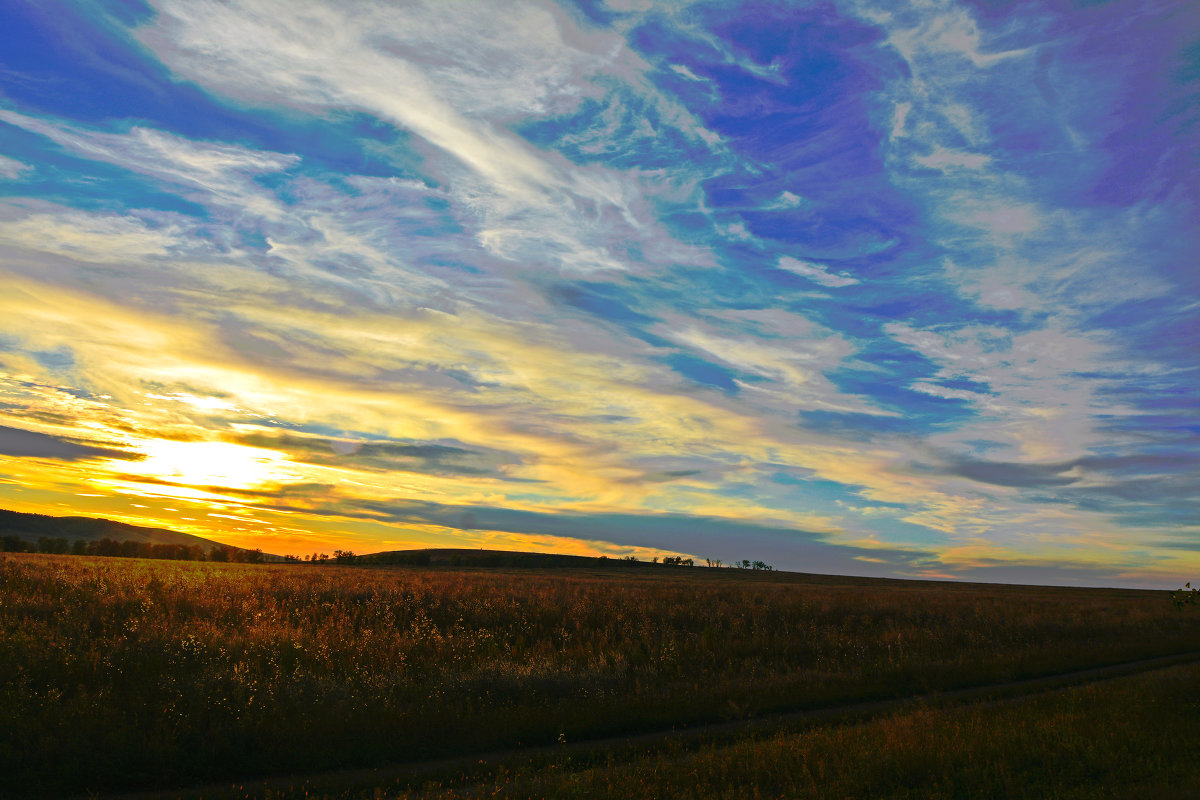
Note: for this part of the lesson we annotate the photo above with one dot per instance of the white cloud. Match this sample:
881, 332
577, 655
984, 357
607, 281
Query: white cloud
816, 273
223, 171
935, 390
943, 29
314, 231
790, 352
1039, 403
1013, 244
998, 217
11, 169
786, 200
454, 74
97, 238
992, 288
944, 159
681, 69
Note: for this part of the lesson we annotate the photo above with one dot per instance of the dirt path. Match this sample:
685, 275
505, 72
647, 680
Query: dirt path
716, 732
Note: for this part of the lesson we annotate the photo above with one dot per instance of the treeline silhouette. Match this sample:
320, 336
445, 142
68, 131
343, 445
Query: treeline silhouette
503, 558
471, 558
22, 532
129, 549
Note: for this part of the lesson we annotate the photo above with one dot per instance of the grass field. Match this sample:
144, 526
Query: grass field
120, 674
1136, 738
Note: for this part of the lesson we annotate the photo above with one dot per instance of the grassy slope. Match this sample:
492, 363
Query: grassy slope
124, 673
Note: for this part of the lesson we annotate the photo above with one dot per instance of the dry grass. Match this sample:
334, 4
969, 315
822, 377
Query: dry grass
118, 673
1136, 737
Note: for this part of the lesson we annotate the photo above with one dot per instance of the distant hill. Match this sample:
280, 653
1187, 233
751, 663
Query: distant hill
494, 558
31, 527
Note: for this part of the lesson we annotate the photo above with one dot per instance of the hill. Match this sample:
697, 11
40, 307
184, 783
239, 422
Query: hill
32, 527
465, 557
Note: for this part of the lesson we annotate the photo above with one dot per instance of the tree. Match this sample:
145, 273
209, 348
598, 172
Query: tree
47, 544
13, 544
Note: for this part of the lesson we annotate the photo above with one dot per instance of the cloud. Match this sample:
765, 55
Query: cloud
346, 241
98, 238
944, 159
782, 357
383, 456
11, 169
682, 69
223, 171
786, 200
21, 443
1000, 217
1040, 402
816, 273
1015, 474
890, 286
403, 65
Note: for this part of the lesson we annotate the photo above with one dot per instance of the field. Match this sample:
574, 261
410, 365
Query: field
128, 674
1138, 737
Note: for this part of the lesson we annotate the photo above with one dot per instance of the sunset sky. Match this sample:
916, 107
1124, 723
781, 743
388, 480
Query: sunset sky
904, 289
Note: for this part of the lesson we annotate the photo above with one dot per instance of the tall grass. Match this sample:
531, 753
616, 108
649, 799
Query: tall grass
137, 673
1137, 737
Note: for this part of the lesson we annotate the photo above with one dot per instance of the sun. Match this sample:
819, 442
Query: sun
223, 464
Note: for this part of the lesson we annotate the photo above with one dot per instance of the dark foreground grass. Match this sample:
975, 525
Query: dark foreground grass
1134, 737
121, 674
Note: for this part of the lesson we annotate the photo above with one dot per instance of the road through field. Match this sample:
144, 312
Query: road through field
463, 767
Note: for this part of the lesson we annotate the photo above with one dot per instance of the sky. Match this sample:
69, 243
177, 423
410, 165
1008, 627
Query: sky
903, 289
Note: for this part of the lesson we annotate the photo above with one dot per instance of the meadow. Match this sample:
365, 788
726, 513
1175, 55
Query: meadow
1133, 738
122, 674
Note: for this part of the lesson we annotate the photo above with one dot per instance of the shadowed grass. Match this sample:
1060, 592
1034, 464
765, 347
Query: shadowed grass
1136, 737
122, 673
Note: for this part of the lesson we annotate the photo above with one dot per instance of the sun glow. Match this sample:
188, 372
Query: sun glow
222, 464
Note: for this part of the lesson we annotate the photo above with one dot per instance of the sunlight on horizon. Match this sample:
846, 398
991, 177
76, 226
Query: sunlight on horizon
222, 464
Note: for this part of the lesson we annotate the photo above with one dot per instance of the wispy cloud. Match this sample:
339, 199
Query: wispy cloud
11, 169
816, 273
896, 289
403, 64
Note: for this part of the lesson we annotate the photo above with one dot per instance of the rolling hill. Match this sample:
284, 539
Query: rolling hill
32, 527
